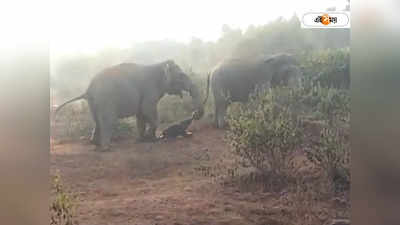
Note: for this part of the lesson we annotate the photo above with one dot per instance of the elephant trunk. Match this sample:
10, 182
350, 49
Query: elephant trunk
196, 98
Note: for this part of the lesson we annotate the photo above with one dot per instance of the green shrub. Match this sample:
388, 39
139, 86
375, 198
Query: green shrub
335, 105
332, 153
329, 67
62, 206
266, 131
330, 104
265, 134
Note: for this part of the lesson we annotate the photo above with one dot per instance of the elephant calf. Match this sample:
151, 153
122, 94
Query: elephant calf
179, 129
234, 79
131, 89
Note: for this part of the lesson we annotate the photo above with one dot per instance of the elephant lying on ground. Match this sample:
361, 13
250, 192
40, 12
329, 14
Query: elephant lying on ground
131, 89
234, 79
179, 129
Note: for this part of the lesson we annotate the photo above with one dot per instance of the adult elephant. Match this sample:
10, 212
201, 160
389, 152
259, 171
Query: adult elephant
131, 89
234, 79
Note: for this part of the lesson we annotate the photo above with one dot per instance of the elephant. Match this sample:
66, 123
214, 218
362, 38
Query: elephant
179, 129
234, 79
130, 89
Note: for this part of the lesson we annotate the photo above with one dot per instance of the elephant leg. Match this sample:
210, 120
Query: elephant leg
141, 126
220, 106
106, 122
220, 112
94, 139
151, 116
216, 115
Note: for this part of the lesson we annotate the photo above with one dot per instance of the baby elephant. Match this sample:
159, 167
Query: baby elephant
178, 129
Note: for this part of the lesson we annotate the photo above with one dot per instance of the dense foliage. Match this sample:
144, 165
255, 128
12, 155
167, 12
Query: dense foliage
329, 67
267, 131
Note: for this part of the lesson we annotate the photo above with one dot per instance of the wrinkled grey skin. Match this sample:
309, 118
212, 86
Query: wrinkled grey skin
130, 89
234, 79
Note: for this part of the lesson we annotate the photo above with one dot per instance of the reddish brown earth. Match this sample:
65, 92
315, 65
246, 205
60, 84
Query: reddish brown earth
157, 183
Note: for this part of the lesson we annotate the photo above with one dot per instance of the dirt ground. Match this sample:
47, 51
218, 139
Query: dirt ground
157, 183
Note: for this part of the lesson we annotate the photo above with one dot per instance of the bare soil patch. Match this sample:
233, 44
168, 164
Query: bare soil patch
157, 183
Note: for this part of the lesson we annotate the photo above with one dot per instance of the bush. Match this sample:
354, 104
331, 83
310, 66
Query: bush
329, 104
329, 67
331, 150
266, 131
265, 134
332, 153
73, 121
62, 205
335, 105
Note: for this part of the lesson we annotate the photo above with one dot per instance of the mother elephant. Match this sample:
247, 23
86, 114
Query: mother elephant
234, 79
131, 89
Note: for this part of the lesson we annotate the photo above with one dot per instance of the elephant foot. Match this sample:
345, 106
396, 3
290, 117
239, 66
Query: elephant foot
221, 126
216, 126
147, 139
94, 142
140, 139
151, 139
188, 134
102, 149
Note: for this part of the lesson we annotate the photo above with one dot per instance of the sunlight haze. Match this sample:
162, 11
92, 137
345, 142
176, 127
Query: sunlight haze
87, 26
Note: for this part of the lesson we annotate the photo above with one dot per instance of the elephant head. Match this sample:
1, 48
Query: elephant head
285, 69
177, 81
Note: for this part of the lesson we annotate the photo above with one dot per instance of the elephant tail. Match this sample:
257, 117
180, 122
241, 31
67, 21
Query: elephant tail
83, 96
208, 88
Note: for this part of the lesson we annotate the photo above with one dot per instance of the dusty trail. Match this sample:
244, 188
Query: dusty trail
155, 183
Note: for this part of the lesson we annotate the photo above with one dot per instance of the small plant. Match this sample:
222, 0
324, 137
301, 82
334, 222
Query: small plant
62, 205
